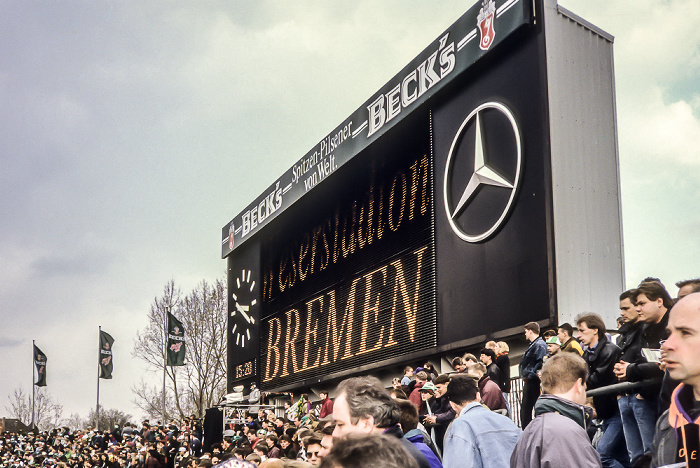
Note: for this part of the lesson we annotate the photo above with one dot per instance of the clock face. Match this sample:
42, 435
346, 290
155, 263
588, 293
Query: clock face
244, 303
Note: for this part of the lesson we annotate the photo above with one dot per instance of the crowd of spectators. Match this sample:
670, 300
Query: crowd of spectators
459, 418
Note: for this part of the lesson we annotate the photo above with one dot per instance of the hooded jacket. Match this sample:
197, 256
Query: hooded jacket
418, 439
557, 434
676, 436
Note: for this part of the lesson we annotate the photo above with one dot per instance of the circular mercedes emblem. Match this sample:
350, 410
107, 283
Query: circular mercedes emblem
482, 173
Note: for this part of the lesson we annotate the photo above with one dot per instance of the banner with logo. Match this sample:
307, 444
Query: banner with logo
40, 363
106, 342
175, 353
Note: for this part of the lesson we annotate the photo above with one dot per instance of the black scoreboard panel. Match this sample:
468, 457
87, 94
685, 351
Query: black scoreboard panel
347, 275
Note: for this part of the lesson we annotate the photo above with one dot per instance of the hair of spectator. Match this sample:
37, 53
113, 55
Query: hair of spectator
534, 327
366, 397
695, 283
409, 415
368, 450
462, 389
653, 291
489, 352
560, 372
503, 347
629, 294
592, 320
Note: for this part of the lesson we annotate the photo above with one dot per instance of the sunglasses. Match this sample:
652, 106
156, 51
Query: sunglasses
312, 454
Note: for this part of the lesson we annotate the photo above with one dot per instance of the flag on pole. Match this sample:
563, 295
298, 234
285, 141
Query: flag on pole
106, 342
40, 363
176, 342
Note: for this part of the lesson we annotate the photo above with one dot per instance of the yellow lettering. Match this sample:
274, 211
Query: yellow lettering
400, 287
371, 308
338, 335
272, 349
290, 351
303, 251
395, 223
311, 335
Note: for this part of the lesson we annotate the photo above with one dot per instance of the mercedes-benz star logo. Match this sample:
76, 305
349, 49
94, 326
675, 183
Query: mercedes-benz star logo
493, 160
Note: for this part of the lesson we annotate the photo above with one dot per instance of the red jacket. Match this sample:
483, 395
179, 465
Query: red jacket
326, 408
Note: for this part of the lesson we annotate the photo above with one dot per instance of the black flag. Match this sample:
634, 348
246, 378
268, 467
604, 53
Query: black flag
106, 342
40, 363
176, 342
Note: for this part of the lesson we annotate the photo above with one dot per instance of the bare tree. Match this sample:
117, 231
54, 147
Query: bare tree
47, 411
108, 418
197, 385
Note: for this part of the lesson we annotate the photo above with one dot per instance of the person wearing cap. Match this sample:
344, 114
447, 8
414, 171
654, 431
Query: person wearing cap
553, 346
415, 397
443, 413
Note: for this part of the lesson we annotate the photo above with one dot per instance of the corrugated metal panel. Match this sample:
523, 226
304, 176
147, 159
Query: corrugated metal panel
585, 169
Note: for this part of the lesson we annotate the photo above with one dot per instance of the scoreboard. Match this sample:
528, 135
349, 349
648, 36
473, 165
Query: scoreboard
423, 223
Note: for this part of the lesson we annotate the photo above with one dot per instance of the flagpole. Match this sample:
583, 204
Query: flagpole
33, 380
165, 355
97, 406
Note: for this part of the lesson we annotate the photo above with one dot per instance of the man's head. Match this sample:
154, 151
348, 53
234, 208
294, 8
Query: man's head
461, 391
565, 332
323, 395
421, 376
532, 331
478, 370
409, 415
651, 301
326, 439
686, 287
628, 311
458, 364
313, 448
408, 371
553, 345
363, 450
362, 405
565, 375
682, 348
441, 382
487, 356
591, 329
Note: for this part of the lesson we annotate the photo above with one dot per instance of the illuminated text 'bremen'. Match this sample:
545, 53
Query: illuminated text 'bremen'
378, 310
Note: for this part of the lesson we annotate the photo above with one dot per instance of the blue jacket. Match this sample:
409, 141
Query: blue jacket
416, 437
532, 359
479, 438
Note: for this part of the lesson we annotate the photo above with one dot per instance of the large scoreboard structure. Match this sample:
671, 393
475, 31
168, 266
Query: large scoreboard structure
478, 190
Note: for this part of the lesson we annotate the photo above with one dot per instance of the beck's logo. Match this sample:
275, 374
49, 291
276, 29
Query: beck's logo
482, 173
485, 23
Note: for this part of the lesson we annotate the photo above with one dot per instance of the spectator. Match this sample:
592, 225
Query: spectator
326, 440
312, 447
530, 363
430, 370
490, 393
557, 436
326, 405
443, 414
553, 346
652, 303
459, 365
407, 374
569, 344
363, 406
687, 287
601, 356
676, 438
414, 397
478, 437
368, 450
421, 440
503, 363
488, 358
638, 414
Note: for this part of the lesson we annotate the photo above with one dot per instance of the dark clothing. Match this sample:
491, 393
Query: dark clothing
640, 369
676, 436
491, 394
532, 359
629, 341
503, 363
601, 361
425, 446
444, 414
530, 363
494, 372
395, 431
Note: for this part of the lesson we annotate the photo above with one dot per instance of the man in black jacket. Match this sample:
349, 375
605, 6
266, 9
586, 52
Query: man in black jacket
601, 356
652, 303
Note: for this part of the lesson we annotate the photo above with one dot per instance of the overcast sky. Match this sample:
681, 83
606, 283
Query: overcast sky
132, 132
